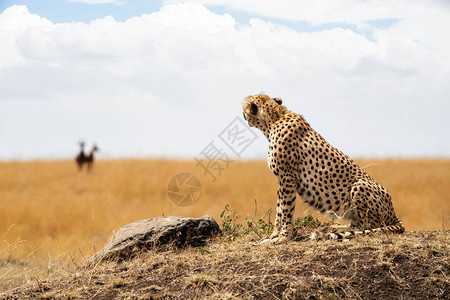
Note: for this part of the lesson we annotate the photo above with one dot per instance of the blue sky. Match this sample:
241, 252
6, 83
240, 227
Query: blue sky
59, 11
63, 11
370, 76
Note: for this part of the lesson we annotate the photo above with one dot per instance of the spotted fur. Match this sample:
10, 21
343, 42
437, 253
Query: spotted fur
324, 177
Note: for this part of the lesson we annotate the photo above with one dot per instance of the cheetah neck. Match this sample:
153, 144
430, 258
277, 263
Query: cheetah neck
273, 117
276, 124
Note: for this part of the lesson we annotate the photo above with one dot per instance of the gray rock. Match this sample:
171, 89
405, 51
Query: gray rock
156, 233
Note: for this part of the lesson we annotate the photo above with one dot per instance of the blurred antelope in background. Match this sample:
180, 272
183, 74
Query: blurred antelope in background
87, 159
81, 157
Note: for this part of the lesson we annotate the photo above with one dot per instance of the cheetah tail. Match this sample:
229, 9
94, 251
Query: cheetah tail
348, 234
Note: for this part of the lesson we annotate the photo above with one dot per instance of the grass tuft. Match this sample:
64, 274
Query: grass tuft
118, 282
199, 280
307, 221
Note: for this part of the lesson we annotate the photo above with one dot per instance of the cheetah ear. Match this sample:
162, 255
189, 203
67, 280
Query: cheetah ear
278, 100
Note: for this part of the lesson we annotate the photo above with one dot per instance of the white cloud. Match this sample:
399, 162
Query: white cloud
167, 83
328, 11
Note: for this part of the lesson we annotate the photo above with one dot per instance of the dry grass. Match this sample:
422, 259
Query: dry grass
410, 266
50, 213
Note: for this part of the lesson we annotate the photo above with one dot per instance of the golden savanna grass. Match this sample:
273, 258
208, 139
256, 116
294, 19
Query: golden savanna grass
49, 210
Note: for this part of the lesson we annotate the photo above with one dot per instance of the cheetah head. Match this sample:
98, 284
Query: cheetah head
261, 110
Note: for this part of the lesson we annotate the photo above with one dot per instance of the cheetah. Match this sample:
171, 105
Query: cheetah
324, 177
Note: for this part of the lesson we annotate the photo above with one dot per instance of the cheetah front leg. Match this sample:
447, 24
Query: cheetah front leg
277, 226
286, 195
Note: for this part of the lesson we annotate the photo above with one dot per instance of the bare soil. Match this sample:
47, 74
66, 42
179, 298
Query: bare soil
413, 265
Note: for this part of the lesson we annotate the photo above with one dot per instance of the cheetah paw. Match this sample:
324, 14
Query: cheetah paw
279, 240
316, 235
265, 241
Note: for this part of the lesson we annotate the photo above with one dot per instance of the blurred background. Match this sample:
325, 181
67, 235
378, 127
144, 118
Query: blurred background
158, 87
143, 79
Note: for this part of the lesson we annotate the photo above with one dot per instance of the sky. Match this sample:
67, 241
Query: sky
167, 79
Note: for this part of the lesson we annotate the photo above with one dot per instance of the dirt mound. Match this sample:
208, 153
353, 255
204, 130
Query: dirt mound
414, 265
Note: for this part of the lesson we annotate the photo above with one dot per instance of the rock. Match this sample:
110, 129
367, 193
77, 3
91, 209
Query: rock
155, 233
